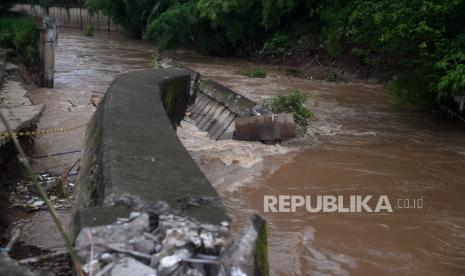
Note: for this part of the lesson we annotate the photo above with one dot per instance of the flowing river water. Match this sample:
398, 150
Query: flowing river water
358, 144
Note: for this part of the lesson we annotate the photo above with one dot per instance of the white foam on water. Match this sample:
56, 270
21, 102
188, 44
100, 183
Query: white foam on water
242, 161
242, 153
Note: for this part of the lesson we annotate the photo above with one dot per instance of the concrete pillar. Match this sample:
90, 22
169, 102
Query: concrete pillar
460, 100
49, 39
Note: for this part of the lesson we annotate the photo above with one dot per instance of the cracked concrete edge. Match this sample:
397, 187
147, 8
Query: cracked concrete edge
131, 148
28, 118
248, 253
28, 115
237, 103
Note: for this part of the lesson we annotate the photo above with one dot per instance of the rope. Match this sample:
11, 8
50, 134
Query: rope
41, 132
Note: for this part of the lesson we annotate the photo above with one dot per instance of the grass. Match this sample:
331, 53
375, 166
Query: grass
293, 103
89, 30
293, 72
20, 33
255, 73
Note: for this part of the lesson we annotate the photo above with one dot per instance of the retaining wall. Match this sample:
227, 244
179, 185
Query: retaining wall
214, 107
71, 17
132, 149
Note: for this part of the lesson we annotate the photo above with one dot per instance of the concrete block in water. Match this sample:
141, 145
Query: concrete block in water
268, 127
215, 106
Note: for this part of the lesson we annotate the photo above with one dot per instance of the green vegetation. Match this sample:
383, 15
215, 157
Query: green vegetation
254, 73
293, 72
89, 30
20, 34
419, 44
277, 45
293, 103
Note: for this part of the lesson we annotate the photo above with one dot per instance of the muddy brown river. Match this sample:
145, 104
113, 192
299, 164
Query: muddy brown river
359, 143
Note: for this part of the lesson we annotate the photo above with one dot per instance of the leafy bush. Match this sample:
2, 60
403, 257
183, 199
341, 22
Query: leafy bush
132, 15
175, 27
89, 30
417, 42
294, 72
277, 45
254, 73
293, 103
20, 34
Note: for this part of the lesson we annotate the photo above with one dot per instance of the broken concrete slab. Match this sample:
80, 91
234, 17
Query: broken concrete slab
169, 244
268, 127
117, 234
132, 151
18, 109
129, 266
248, 254
215, 106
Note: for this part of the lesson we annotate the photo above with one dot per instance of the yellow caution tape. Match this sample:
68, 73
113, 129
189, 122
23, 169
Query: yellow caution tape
41, 132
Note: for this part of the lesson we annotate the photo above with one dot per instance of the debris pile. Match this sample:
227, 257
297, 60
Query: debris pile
163, 244
58, 188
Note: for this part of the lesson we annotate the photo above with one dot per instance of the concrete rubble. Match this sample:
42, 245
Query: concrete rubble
148, 243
